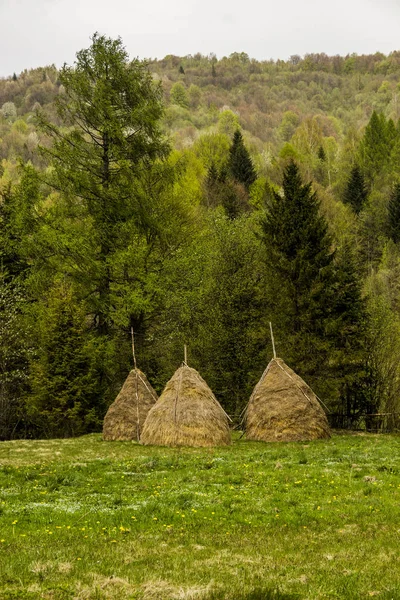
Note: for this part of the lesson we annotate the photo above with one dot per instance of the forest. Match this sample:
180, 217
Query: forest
196, 200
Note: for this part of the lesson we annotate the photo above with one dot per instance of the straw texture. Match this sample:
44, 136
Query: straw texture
284, 408
125, 417
187, 414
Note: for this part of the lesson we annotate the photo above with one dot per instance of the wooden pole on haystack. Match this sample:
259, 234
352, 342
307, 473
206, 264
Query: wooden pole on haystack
272, 339
133, 348
185, 355
137, 387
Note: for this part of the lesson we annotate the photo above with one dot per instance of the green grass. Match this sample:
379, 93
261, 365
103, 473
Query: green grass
86, 519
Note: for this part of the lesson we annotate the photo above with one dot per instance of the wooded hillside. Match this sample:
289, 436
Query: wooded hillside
196, 200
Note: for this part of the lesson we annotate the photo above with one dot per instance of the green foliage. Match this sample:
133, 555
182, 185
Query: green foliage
66, 390
219, 190
194, 94
115, 222
14, 353
228, 123
179, 95
312, 295
346, 330
394, 214
213, 148
287, 127
376, 145
8, 111
356, 192
106, 162
233, 310
240, 165
321, 154
383, 337
138, 236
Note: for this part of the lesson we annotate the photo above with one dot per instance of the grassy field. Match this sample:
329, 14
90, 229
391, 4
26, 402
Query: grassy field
86, 519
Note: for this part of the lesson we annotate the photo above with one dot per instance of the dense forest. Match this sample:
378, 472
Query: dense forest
196, 200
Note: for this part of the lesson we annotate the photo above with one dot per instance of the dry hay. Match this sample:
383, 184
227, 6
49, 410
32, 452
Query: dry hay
284, 408
125, 417
187, 414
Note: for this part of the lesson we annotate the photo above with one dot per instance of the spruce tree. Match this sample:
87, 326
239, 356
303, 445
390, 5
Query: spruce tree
321, 154
376, 146
347, 333
304, 282
15, 339
17, 224
212, 186
219, 190
296, 235
240, 165
394, 214
66, 398
356, 193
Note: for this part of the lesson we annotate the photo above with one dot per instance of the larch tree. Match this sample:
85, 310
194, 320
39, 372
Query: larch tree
111, 224
104, 158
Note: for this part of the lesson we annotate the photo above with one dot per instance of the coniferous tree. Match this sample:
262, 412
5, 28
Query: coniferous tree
347, 332
240, 165
394, 214
66, 397
356, 193
107, 155
116, 219
376, 145
304, 282
14, 353
219, 190
297, 237
212, 173
321, 154
212, 185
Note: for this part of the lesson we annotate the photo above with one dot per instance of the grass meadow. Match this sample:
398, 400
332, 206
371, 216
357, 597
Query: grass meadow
86, 519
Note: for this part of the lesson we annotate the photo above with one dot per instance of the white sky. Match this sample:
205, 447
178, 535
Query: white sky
41, 32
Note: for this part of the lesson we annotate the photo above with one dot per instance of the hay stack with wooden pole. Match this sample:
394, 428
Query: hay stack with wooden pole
186, 414
283, 408
126, 415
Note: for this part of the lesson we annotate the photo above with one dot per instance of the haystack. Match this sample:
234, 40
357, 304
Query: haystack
284, 408
187, 414
125, 417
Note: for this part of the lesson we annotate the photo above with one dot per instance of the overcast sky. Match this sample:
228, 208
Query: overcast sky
40, 32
